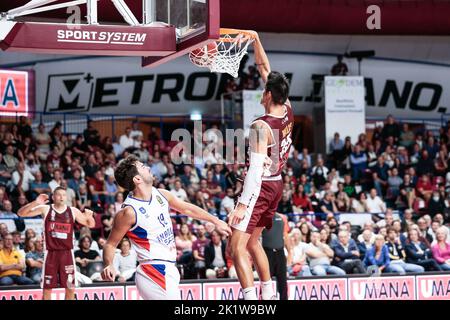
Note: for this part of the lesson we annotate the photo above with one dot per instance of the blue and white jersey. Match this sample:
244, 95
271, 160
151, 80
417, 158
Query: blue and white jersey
152, 236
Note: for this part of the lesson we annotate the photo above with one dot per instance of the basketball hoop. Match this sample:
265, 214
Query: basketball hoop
223, 55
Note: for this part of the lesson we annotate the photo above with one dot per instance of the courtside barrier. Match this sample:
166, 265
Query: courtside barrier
429, 286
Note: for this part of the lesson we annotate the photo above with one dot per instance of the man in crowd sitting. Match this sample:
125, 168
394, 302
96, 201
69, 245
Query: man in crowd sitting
12, 263
346, 254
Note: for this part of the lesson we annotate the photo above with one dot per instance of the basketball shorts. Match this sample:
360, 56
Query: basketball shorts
58, 270
261, 210
158, 281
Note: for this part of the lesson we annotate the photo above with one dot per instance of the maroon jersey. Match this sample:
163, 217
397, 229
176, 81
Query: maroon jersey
58, 230
281, 127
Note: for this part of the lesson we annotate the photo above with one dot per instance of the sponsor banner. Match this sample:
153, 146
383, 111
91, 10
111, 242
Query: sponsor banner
251, 108
344, 99
119, 85
317, 289
188, 291
227, 290
436, 287
15, 92
91, 39
88, 293
382, 288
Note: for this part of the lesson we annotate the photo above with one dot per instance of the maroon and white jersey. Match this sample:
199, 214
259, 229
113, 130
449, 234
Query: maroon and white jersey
58, 229
281, 129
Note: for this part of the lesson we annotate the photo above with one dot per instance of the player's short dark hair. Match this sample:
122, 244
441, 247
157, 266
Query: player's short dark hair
59, 188
278, 85
126, 171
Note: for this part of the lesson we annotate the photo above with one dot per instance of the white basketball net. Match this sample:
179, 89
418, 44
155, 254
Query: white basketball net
222, 56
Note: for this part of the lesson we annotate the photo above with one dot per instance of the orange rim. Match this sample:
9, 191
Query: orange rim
228, 31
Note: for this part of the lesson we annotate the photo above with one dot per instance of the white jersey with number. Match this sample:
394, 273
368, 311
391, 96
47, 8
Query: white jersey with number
152, 235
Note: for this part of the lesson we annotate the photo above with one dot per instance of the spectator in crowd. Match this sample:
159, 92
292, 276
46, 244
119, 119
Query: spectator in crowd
215, 259
320, 255
7, 211
319, 173
301, 202
91, 135
346, 254
297, 259
407, 137
12, 262
21, 178
178, 191
365, 242
38, 186
436, 204
423, 231
118, 202
378, 255
327, 207
111, 189
125, 262
441, 250
85, 255
326, 236
358, 160
397, 255
227, 204
340, 68
337, 144
184, 242
126, 141
43, 141
407, 191
35, 259
83, 198
418, 253
390, 129
374, 203
305, 231
198, 251
57, 179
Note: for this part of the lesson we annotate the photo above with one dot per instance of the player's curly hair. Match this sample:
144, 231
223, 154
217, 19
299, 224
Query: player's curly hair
126, 171
278, 86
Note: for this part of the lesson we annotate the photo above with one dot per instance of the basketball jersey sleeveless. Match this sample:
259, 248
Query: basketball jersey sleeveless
152, 235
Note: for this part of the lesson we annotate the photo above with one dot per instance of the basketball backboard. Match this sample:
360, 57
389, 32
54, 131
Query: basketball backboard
157, 30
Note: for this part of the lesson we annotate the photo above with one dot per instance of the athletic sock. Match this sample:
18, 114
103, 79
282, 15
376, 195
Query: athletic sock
250, 293
267, 290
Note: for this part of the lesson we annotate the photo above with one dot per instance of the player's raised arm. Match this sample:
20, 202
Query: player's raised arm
35, 208
123, 221
86, 218
195, 212
261, 60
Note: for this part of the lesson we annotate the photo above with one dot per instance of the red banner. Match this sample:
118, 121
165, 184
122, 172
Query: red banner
14, 92
227, 290
188, 291
382, 288
436, 287
88, 293
317, 289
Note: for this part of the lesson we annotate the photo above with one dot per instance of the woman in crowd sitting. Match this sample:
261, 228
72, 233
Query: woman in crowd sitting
184, 243
378, 255
441, 250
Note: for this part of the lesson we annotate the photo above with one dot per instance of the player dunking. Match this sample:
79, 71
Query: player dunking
145, 220
59, 219
270, 141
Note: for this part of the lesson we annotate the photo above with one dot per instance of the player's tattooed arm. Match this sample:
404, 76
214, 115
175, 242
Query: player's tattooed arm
36, 208
259, 137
